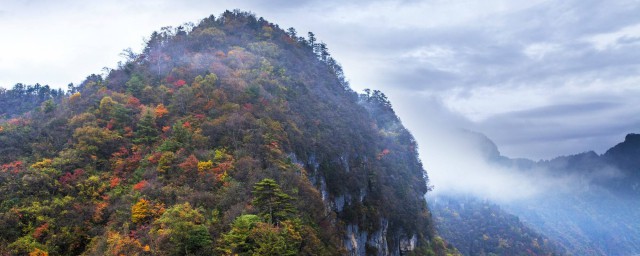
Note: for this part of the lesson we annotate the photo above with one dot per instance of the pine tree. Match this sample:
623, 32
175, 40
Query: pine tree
273, 204
147, 132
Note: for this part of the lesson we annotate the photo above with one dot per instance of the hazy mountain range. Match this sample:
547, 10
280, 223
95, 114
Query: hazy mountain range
585, 204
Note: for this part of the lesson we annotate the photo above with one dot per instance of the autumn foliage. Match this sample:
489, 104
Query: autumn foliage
161, 111
190, 143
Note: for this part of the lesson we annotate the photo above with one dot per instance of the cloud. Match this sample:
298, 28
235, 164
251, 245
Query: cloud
563, 74
580, 122
460, 162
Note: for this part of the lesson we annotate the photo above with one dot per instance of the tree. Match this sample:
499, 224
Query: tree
235, 241
182, 100
292, 33
161, 111
270, 240
135, 85
38, 252
48, 106
205, 166
96, 141
322, 51
106, 106
74, 98
190, 164
181, 231
141, 211
312, 40
250, 236
273, 204
147, 132
118, 244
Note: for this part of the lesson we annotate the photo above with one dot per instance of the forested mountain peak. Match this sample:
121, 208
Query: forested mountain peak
230, 136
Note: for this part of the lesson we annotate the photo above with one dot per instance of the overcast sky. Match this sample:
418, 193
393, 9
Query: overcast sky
540, 78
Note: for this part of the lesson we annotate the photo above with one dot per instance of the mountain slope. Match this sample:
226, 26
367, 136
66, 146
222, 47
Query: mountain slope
586, 202
477, 227
596, 213
230, 136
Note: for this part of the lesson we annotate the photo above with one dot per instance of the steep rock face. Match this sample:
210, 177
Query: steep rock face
403, 168
190, 126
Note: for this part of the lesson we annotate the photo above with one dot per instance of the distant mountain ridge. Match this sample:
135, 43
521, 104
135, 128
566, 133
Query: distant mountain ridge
626, 155
618, 169
593, 208
623, 157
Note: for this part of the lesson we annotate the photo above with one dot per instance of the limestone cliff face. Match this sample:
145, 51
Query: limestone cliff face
361, 243
383, 211
357, 240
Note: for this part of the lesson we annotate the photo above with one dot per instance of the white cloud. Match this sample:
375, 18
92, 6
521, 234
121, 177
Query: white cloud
439, 57
617, 38
456, 168
482, 103
539, 51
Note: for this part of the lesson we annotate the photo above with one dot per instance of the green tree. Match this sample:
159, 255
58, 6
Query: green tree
135, 85
96, 141
181, 231
48, 106
280, 241
273, 204
250, 236
236, 240
181, 137
146, 132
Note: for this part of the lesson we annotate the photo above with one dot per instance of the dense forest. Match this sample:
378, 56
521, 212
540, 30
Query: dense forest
227, 137
23, 98
479, 227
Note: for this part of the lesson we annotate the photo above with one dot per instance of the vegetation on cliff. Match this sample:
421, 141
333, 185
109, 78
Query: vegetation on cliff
231, 136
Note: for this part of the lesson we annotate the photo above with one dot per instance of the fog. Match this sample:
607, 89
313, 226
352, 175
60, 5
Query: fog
460, 162
454, 167
566, 199
454, 164
463, 162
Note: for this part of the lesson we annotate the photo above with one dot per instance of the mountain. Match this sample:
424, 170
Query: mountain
586, 203
479, 227
596, 213
227, 137
625, 157
625, 154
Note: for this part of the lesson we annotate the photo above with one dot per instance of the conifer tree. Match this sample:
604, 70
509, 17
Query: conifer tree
147, 132
273, 204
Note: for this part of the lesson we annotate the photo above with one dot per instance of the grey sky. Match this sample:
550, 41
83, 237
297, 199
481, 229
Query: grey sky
540, 78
